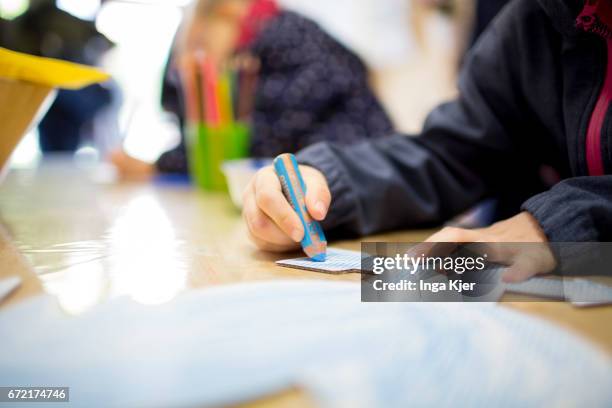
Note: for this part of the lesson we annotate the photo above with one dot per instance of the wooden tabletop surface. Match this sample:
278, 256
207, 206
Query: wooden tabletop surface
68, 234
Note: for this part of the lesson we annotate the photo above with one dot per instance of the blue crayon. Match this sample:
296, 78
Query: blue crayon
314, 243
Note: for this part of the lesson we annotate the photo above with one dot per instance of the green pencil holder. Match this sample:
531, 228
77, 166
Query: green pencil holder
208, 147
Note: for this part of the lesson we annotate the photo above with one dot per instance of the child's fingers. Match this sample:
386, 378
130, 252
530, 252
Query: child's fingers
525, 259
452, 234
262, 230
130, 167
271, 221
533, 260
522, 269
268, 246
269, 198
318, 197
263, 227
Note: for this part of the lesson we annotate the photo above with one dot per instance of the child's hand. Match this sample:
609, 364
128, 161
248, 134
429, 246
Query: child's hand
131, 168
522, 245
272, 223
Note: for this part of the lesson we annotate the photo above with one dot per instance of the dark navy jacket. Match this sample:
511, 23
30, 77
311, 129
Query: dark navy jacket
311, 89
527, 91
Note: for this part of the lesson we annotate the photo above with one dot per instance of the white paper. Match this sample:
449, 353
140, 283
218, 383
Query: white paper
231, 344
548, 288
337, 261
580, 292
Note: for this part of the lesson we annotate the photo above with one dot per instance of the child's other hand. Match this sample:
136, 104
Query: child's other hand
272, 223
130, 168
530, 255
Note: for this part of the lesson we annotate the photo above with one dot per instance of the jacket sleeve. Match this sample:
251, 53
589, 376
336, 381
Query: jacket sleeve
462, 155
578, 209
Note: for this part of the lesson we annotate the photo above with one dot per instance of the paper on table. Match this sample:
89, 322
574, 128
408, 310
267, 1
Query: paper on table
548, 288
315, 335
587, 293
581, 292
7, 286
337, 261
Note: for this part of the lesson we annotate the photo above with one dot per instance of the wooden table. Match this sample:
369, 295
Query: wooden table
86, 242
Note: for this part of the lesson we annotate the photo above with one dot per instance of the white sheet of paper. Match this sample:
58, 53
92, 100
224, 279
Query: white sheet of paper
318, 336
584, 292
338, 261
548, 288
581, 292
8, 285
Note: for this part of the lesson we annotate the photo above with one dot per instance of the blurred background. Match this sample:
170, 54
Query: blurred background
411, 49
130, 40
285, 73
342, 70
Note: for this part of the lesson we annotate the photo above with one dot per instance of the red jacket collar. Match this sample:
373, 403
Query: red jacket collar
260, 12
596, 17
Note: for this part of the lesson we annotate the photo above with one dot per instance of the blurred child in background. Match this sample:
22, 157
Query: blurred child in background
47, 31
310, 88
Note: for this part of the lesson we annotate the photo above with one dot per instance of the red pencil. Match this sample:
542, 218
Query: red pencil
210, 91
187, 72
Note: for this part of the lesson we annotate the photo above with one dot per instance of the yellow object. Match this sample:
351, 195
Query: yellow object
47, 71
225, 99
26, 83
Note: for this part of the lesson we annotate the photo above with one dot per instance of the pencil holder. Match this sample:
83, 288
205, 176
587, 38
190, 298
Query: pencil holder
208, 147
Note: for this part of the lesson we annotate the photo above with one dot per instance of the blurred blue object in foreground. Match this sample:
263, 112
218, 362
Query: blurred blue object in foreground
230, 344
